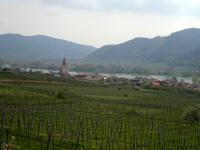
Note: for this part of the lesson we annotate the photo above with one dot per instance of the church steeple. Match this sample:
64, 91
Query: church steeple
64, 61
64, 68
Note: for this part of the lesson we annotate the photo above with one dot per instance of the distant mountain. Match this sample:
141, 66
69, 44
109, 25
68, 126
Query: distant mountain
150, 50
39, 46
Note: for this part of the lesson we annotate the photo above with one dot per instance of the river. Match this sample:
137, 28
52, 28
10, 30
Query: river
128, 76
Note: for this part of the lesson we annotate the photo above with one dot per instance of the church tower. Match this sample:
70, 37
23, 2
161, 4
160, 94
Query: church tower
64, 68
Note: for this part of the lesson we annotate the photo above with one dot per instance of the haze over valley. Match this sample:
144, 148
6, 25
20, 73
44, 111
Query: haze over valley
179, 49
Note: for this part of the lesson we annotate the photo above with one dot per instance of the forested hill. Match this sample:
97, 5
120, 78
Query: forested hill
39, 46
155, 50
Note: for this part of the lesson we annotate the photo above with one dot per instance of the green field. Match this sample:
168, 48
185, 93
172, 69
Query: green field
65, 114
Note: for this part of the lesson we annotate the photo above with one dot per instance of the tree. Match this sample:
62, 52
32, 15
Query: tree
174, 80
192, 114
195, 81
1, 62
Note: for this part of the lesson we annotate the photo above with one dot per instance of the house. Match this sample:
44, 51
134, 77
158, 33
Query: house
90, 77
19, 70
155, 82
6, 68
137, 82
188, 85
166, 83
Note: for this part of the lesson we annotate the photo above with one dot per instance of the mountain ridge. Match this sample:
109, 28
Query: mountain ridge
40, 46
151, 50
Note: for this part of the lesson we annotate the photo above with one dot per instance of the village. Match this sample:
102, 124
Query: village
137, 82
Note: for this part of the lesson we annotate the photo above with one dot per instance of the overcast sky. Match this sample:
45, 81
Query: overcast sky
98, 22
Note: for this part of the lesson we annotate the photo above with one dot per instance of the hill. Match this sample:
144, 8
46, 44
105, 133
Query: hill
150, 50
191, 59
39, 46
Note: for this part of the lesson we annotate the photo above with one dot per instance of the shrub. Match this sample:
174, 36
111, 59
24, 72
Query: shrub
60, 94
192, 114
125, 95
136, 88
119, 88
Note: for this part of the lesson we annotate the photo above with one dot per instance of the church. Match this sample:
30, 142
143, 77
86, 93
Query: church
64, 68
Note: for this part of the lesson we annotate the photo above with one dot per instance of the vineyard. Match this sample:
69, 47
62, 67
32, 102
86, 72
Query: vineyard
47, 114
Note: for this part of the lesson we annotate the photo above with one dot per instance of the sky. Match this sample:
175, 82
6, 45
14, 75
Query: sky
98, 22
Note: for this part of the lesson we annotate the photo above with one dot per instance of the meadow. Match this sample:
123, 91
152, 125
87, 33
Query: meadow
42, 112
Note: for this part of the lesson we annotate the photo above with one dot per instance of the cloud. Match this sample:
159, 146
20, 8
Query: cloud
160, 7
98, 22
137, 6
74, 4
